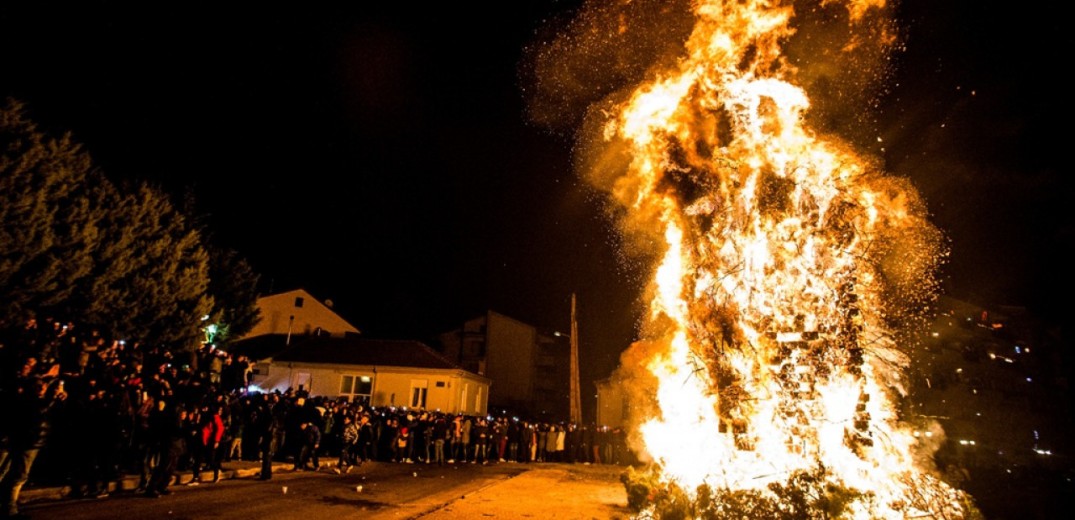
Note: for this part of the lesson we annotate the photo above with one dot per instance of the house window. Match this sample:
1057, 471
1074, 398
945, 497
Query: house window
356, 388
440, 384
419, 389
299, 301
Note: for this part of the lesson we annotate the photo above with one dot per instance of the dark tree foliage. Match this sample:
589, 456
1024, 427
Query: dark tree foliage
151, 272
73, 244
48, 224
233, 285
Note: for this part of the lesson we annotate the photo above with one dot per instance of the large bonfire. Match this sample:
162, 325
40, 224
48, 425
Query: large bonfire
774, 344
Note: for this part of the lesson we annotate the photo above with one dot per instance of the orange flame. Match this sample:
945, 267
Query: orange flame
782, 253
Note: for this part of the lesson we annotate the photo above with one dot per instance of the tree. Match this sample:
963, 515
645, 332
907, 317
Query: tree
233, 285
151, 272
74, 244
48, 225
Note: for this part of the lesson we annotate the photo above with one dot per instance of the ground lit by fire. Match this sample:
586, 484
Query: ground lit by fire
790, 266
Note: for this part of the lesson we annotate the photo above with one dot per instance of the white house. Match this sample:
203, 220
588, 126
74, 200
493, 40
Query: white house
297, 313
378, 372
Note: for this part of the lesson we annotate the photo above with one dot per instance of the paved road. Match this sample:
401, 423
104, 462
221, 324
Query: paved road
388, 491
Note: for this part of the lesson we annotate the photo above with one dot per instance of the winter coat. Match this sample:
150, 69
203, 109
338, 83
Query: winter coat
312, 434
212, 430
350, 434
28, 421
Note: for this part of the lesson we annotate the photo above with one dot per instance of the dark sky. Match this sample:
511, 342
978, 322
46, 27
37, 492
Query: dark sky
381, 156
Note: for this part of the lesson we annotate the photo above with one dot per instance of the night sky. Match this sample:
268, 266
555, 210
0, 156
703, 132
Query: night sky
382, 156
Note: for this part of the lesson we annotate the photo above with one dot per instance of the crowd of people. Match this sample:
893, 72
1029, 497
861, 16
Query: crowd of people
81, 409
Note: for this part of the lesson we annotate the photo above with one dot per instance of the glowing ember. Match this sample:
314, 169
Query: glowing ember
788, 265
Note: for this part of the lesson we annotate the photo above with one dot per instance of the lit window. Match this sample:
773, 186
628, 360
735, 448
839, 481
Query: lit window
356, 388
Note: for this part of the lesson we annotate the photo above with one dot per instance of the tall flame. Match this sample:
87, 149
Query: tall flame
786, 254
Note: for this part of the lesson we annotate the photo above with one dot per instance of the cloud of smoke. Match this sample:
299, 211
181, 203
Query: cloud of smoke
605, 47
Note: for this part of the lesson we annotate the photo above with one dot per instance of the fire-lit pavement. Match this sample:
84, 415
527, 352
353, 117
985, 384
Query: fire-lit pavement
372, 491
548, 491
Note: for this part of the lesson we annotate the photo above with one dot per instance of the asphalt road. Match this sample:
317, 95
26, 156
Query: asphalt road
375, 491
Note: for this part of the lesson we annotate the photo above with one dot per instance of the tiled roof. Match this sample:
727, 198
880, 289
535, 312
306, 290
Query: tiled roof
259, 347
349, 350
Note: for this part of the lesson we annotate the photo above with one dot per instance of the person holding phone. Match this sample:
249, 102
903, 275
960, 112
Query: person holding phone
26, 428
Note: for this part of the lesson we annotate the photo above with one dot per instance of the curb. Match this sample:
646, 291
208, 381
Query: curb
129, 483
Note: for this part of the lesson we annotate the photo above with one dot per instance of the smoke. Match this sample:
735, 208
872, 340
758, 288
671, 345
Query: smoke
608, 45
579, 67
639, 387
843, 57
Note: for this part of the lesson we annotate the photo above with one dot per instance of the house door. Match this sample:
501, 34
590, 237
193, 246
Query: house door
419, 391
302, 381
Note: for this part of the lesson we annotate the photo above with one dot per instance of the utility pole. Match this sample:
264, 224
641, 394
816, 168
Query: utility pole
576, 396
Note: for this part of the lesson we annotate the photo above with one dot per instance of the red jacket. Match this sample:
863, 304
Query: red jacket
213, 430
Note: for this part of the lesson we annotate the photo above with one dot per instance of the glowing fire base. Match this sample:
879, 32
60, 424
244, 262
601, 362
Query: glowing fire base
806, 494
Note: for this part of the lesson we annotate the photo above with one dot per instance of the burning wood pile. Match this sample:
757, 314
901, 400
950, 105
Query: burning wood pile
790, 270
